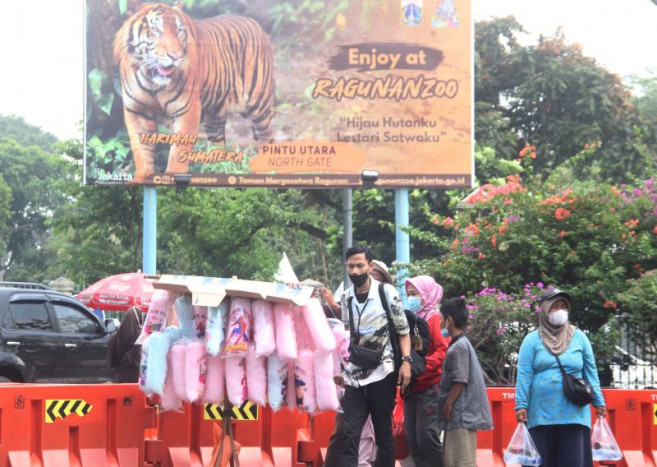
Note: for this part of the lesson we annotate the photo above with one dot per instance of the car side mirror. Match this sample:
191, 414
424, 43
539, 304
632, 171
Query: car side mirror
110, 326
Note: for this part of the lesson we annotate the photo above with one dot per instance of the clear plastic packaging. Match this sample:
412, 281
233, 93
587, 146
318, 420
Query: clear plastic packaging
603, 443
521, 449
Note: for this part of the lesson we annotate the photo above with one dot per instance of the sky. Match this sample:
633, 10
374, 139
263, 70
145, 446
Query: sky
42, 74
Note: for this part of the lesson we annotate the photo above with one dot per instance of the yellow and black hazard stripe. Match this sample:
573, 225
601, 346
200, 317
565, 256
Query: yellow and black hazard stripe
62, 408
247, 411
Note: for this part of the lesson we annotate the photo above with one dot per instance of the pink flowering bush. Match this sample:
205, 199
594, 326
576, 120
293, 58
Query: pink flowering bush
498, 322
588, 239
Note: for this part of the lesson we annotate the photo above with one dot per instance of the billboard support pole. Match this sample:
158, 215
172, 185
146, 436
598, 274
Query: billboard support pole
347, 227
150, 230
402, 243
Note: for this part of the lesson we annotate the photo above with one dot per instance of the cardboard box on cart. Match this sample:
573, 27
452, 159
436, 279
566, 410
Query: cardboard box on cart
210, 291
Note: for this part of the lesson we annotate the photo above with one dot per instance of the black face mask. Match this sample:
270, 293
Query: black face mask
358, 279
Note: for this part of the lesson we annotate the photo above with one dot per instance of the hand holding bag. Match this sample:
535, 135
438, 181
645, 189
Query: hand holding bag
603, 443
398, 431
575, 389
521, 449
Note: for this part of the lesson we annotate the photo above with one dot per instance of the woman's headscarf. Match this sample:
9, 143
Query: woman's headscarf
430, 291
555, 338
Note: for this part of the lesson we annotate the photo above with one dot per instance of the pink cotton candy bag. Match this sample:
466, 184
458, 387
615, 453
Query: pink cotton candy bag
256, 377
320, 331
286, 341
169, 399
235, 380
156, 317
178, 361
304, 381
327, 397
195, 369
304, 339
263, 327
214, 380
341, 337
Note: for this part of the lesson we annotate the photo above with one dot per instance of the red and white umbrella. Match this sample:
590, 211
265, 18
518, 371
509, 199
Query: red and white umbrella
120, 292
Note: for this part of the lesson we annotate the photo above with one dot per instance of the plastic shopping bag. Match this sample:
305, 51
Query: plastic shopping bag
603, 443
521, 448
398, 432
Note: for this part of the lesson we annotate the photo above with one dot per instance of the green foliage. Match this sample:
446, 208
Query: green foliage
241, 232
30, 174
588, 239
5, 213
307, 23
639, 302
645, 96
25, 134
104, 100
498, 322
551, 96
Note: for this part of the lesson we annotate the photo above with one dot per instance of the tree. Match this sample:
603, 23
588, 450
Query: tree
551, 96
226, 232
645, 97
5, 213
32, 176
25, 134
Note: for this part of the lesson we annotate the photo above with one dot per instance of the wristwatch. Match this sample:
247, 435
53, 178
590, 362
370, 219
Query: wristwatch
407, 358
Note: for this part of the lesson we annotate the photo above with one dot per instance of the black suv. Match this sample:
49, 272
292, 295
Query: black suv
50, 337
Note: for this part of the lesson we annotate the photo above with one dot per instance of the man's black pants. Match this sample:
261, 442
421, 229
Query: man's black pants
376, 399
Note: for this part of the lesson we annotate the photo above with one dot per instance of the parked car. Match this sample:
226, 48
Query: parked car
50, 337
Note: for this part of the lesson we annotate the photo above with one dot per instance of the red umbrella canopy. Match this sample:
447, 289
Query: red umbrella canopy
120, 292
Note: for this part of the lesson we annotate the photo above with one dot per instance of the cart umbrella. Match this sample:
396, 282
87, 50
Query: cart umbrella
120, 292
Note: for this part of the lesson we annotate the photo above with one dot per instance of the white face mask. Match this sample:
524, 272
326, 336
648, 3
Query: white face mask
559, 317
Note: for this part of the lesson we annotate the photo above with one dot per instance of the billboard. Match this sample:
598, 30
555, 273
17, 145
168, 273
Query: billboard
279, 94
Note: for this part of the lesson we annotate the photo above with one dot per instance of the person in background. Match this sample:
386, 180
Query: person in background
367, 446
462, 401
372, 390
123, 355
421, 404
560, 429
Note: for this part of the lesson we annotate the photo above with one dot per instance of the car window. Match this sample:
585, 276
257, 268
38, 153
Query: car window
29, 315
74, 320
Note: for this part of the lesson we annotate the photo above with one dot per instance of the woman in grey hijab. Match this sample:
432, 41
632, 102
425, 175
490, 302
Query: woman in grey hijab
560, 428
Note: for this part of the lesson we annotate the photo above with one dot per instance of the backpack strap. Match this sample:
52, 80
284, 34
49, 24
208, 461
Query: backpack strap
383, 298
394, 337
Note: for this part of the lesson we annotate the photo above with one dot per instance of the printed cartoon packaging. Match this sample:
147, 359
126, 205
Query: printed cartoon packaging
239, 327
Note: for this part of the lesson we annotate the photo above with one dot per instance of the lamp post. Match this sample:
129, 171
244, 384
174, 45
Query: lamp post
368, 179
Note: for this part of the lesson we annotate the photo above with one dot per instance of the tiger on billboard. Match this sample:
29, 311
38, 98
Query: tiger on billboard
190, 75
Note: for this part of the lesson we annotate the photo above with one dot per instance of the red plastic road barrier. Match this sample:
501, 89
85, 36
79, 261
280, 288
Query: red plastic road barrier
631, 417
75, 425
111, 425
